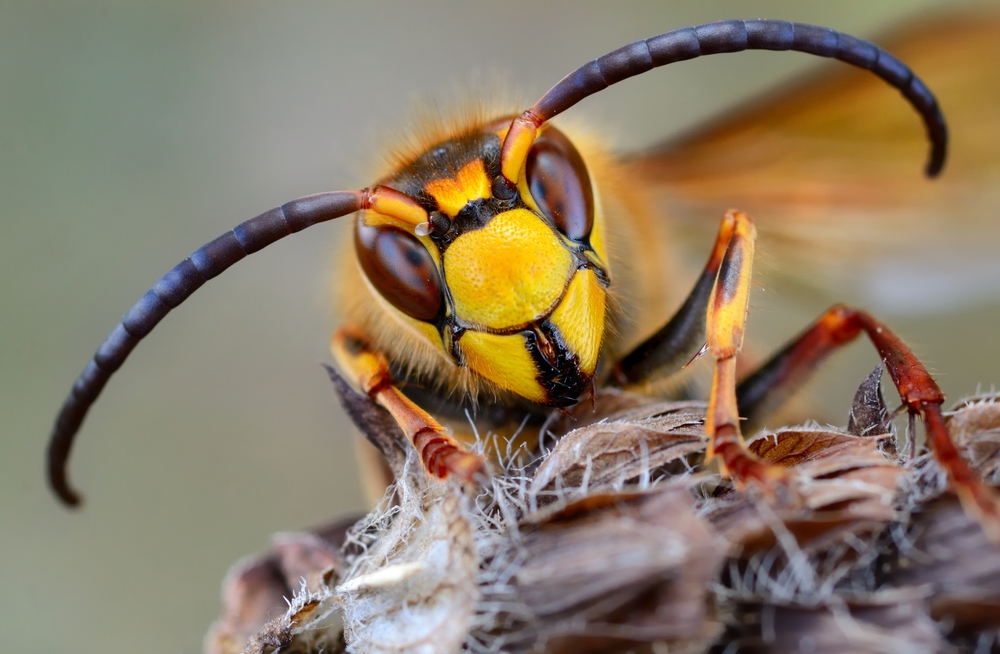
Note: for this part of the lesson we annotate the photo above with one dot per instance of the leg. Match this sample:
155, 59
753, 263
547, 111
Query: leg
440, 453
726, 319
918, 391
767, 388
674, 344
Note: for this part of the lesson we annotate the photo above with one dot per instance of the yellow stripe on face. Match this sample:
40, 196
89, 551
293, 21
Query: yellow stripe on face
427, 330
505, 361
597, 240
580, 318
508, 273
471, 183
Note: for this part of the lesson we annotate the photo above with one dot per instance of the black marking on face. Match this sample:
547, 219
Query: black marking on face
559, 371
444, 161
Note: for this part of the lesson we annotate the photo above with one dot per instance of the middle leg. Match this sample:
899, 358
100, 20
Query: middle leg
921, 396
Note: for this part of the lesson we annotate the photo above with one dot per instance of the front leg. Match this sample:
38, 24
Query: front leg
441, 454
672, 346
724, 326
720, 294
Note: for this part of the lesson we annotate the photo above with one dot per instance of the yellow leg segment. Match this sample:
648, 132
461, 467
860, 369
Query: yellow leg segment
369, 370
725, 323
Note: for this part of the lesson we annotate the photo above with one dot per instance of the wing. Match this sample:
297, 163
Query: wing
830, 169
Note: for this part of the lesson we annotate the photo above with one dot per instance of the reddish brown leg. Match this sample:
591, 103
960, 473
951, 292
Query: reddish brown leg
440, 453
726, 319
919, 392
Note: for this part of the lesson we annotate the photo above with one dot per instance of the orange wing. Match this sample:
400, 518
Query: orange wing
830, 169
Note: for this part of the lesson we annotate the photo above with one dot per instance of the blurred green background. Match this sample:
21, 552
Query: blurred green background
133, 132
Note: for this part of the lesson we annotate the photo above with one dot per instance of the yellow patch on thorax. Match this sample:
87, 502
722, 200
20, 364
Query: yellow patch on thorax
471, 183
509, 273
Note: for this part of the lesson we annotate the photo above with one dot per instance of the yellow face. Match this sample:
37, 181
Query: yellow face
508, 281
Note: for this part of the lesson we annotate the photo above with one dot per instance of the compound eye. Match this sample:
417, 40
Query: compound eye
402, 270
560, 185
